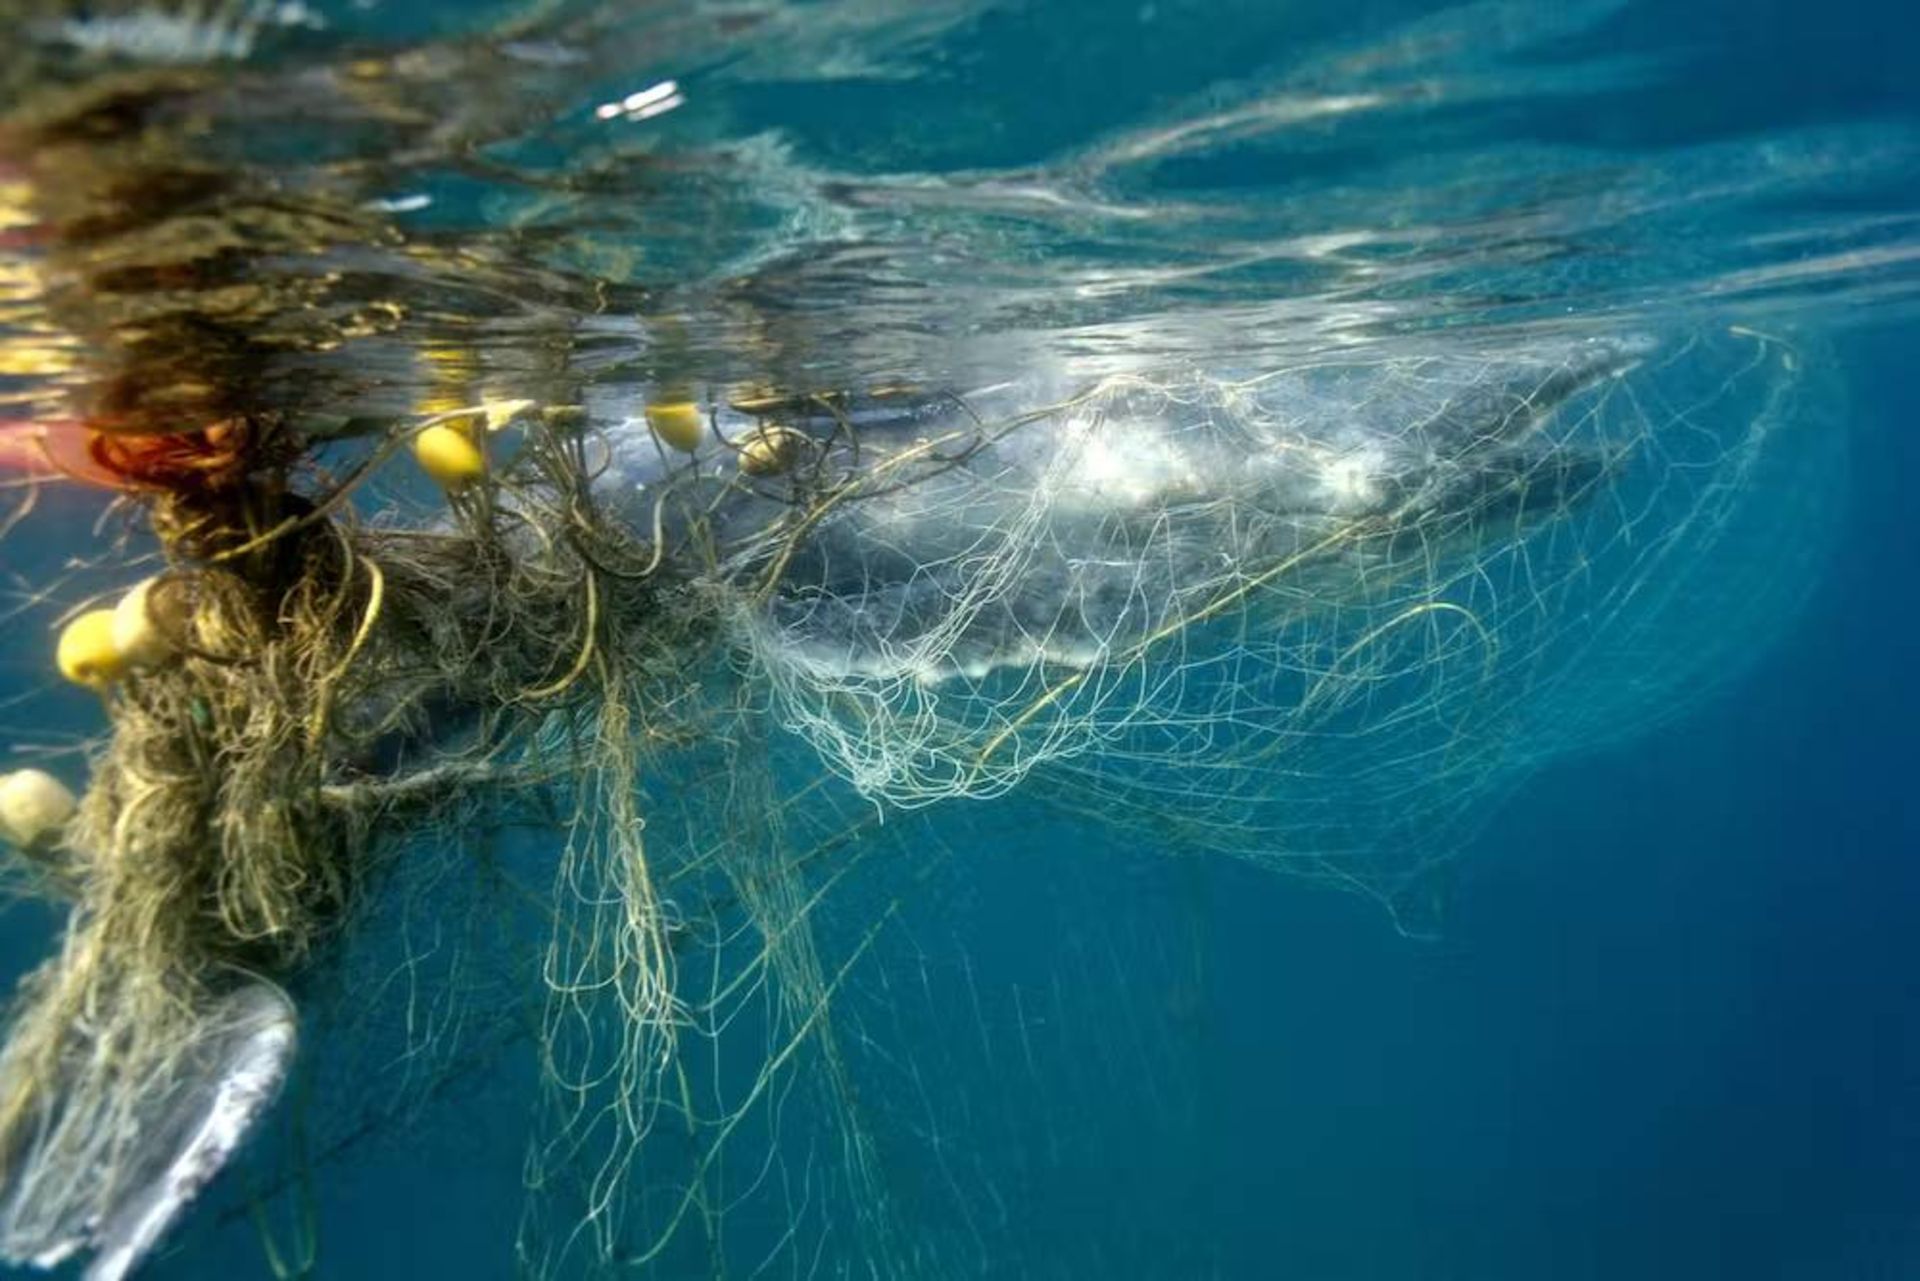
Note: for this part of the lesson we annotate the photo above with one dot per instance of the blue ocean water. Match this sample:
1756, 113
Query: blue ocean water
1670, 1029
1659, 1018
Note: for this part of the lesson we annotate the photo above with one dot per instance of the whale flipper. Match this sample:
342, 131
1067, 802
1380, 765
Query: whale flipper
114, 1158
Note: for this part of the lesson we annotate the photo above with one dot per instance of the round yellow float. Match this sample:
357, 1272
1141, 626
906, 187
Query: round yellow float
136, 637
87, 654
771, 450
450, 456
678, 424
33, 805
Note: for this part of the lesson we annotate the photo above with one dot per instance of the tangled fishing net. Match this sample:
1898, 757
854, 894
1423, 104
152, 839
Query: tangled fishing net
717, 657
1314, 617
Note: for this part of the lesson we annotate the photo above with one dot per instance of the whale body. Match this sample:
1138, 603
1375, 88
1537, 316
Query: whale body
935, 535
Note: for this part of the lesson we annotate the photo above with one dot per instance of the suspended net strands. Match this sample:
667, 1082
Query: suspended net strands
1318, 617
1281, 604
629, 752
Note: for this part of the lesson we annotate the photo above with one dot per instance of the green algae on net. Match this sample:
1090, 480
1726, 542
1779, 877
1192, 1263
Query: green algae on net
714, 637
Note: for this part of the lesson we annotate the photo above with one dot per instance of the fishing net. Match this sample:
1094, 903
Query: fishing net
609, 771
1316, 617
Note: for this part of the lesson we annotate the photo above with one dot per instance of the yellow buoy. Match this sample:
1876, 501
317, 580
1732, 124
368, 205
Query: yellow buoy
86, 654
450, 456
678, 424
137, 638
33, 805
770, 450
